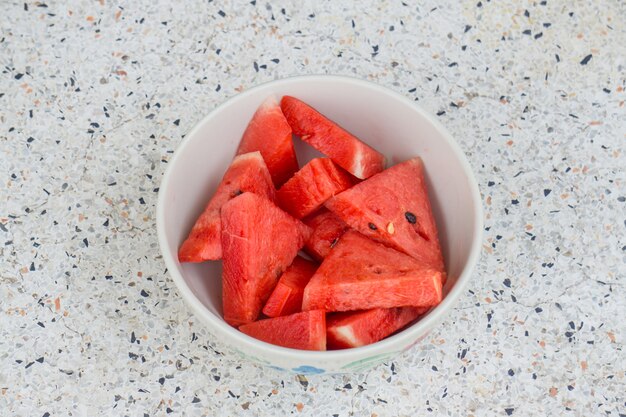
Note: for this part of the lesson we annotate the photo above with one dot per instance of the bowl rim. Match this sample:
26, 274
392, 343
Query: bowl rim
395, 342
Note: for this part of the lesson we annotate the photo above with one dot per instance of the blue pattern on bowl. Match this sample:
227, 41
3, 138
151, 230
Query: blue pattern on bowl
308, 370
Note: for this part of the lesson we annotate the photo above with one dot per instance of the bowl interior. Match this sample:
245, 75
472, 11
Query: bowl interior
384, 120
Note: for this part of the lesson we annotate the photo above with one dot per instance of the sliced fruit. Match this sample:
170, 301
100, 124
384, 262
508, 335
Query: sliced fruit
360, 328
327, 229
269, 133
247, 172
326, 136
393, 208
287, 295
305, 330
310, 187
259, 241
360, 274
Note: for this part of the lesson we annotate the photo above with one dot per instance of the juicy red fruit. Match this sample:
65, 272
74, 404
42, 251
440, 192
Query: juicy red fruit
306, 330
359, 328
393, 208
247, 173
327, 229
259, 241
310, 187
269, 133
287, 295
345, 149
360, 274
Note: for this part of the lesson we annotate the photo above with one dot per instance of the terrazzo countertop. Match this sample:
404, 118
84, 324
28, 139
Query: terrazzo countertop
95, 96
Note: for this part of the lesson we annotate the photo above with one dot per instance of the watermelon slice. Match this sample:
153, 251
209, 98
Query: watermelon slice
259, 241
393, 208
310, 187
327, 229
247, 172
360, 274
360, 328
329, 138
305, 330
269, 133
287, 295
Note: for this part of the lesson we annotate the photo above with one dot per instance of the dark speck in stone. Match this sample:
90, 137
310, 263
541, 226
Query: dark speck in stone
538, 309
32, 266
570, 387
621, 199
195, 400
221, 13
479, 4
527, 32
538, 35
511, 372
161, 380
586, 59
546, 192
46, 414
441, 112
547, 25
509, 411
491, 184
606, 90
526, 13
18, 76
169, 410
177, 122
514, 202
144, 293
467, 28
86, 242
434, 368
507, 283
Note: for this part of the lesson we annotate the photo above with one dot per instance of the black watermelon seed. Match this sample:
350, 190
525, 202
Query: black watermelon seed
372, 226
334, 242
410, 217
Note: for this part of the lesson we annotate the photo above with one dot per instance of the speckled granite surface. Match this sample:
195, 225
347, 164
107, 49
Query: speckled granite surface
95, 97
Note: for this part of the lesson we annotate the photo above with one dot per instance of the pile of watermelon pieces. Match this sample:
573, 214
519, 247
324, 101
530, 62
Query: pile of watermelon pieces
336, 254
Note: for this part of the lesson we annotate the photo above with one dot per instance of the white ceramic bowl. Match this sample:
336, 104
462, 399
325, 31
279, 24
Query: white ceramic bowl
389, 122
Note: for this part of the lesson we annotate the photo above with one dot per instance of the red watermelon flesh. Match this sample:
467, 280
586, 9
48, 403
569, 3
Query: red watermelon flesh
326, 136
359, 328
310, 187
360, 274
287, 295
393, 208
259, 241
247, 172
269, 133
327, 229
305, 330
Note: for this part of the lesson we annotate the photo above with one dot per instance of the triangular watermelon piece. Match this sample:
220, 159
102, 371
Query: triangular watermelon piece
269, 133
310, 187
326, 136
327, 229
287, 295
247, 172
360, 274
393, 208
359, 328
306, 330
259, 241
